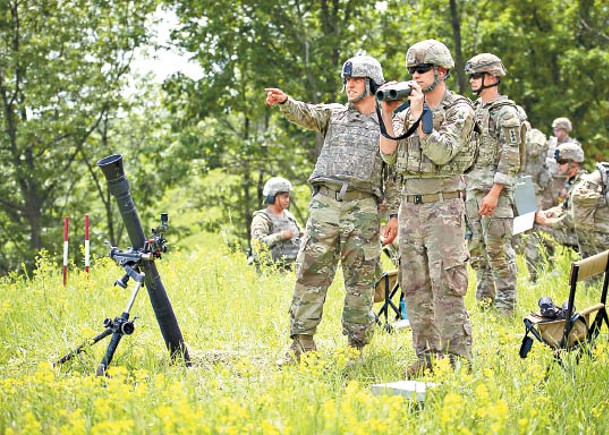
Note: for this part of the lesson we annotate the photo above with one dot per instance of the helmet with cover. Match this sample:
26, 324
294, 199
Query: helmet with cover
569, 151
363, 66
562, 123
273, 186
485, 63
366, 67
430, 52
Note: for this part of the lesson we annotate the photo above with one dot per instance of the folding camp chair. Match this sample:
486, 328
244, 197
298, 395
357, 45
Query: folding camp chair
384, 290
573, 330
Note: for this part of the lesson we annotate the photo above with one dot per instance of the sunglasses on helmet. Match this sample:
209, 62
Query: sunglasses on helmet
421, 69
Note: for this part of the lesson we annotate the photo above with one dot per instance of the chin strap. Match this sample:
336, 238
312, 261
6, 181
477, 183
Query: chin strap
483, 86
426, 117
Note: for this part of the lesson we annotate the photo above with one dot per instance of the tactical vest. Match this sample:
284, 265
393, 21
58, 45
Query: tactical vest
285, 249
489, 148
351, 151
412, 160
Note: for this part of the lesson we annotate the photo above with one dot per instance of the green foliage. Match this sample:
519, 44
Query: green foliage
62, 68
235, 323
64, 65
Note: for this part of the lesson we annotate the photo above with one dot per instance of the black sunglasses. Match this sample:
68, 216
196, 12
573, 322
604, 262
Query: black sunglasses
562, 162
421, 69
476, 76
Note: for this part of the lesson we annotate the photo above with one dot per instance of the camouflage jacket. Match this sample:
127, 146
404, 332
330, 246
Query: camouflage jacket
424, 164
498, 145
589, 204
562, 216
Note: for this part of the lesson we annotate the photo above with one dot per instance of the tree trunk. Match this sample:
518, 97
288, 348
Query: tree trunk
456, 25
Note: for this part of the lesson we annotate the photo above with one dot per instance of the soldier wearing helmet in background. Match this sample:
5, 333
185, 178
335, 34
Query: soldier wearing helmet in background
557, 220
431, 163
344, 219
275, 232
556, 193
490, 184
534, 242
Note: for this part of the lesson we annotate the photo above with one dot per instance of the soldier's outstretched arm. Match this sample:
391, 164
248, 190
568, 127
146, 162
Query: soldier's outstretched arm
311, 116
275, 96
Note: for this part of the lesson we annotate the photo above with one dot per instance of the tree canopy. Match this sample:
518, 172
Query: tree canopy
64, 69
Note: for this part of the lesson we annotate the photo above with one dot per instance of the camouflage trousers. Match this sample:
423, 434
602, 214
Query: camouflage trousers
490, 248
592, 242
348, 231
433, 276
536, 248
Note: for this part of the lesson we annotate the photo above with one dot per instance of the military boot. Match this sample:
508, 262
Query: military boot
358, 358
458, 362
505, 312
418, 368
300, 345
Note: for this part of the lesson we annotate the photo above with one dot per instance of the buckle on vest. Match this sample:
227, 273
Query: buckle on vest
418, 199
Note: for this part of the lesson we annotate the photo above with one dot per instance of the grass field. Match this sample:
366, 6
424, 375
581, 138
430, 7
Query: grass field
235, 323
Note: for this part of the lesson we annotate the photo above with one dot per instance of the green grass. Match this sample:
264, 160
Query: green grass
235, 323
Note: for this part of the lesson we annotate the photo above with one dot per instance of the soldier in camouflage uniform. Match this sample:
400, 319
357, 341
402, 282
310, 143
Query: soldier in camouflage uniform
433, 253
533, 242
558, 220
556, 193
490, 185
344, 218
274, 230
590, 210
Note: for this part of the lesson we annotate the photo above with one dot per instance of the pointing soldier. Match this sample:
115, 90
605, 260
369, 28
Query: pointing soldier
344, 218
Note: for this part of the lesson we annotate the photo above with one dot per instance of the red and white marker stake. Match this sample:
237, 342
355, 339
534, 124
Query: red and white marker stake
87, 243
65, 251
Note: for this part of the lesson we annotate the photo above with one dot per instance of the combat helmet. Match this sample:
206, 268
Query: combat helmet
430, 52
482, 64
569, 151
367, 67
273, 186
562, 123
485, 63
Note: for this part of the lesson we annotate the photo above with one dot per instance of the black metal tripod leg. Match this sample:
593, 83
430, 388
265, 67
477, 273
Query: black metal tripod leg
82, 347
116, 338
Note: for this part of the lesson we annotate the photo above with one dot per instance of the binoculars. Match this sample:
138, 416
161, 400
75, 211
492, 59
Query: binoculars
548, 309
396, 92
